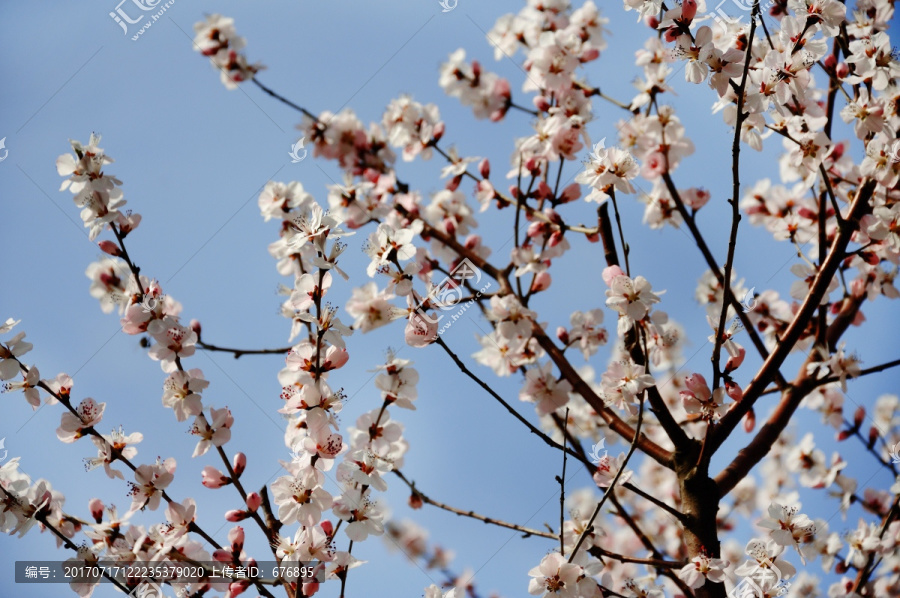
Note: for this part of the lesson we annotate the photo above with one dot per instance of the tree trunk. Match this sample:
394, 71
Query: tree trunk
700, 502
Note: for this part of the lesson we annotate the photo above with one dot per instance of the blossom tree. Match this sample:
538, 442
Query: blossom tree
794, 72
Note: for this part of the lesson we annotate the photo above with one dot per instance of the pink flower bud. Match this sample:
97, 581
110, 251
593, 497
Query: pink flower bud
96, 508
213, 478
541, 282
223, 556
513, 192
453, 184
842, 70
327, 527
697, 384
450, 226
310, 588
415, 501
438, 131
610, 273
592, 54
236, 588
239, 463
110, 248
484, 168
541, 103
235, 515
476, 68
874, 434
570, 193
195, 326
858, 416
236, 537
593, 237
253, 501
735, 362
688, 10
830, 62
750, 421
734, 391
563, 335
652, 22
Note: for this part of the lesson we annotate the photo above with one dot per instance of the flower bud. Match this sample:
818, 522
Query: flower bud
697, 384
236, 537
453, 184
736, 361
195, 326
874, 434
235, 515
734, 391
327, 527
750, 421
484, 168
830, 62
844, 435
610, 273
110, 248
842, 70
652, 22
563, 335
415, 500
213, 478
96, 508
239, 463
570, 193
541, 103
688, 10
438, 131
589, 55
541, 282
237, 588
858, 416
254, 500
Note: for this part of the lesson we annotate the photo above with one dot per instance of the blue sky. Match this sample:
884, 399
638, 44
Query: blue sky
193, 158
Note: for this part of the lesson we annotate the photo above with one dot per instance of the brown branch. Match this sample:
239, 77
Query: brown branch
531, 427
714, 268
612, 485
617, 424
751, 455
241, 352
472, 514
